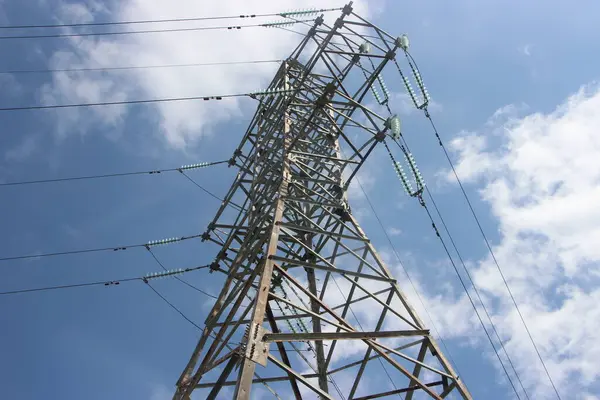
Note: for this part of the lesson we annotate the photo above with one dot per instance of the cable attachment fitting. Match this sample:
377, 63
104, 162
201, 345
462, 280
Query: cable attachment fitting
256, 349
214, 267
403, 42
393, 125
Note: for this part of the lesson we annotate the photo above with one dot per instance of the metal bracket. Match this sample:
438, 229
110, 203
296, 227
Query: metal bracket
257, 350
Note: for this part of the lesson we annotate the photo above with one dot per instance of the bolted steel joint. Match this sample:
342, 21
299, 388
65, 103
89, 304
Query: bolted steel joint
347, 10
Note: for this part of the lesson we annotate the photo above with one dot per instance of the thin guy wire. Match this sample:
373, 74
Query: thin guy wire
174, 307
463, 285
195, 29
200, 329
470, 278
85, 284
231, 204
178, 278
181, 313
41, 71
152, 21
408, 276
119, 174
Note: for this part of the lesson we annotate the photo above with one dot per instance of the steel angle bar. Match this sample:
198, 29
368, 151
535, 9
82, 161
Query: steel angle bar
302, 337
359, 258
307, 311
370, 24
299, 263
329, 158
387, 306
301, 228
375, 345
255, 380
298, 376
398, 391
356, 363
415, 361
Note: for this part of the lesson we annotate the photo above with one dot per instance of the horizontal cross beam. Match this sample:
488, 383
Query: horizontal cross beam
302, 337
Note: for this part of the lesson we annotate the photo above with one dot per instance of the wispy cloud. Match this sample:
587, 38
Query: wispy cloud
525, 50
22, 151
182, 123
9, 84
542, 186
394, 231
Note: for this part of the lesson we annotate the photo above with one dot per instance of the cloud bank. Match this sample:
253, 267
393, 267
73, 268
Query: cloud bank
542, 185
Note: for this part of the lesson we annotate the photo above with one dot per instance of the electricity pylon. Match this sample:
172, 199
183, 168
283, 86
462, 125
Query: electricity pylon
306, 296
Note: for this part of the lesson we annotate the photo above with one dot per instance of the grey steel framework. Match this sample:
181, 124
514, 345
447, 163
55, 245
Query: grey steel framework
306, 296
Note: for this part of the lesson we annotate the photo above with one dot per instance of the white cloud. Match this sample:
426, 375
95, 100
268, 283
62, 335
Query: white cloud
160, 392
542, 185
184, 122
26, 147
9, 86
394, 231
525, 50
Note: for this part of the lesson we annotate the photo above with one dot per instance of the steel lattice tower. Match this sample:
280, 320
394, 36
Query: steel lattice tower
298, 265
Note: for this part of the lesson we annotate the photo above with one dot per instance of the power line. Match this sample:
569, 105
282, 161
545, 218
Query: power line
75, 285
489, 247
121, 247
147, 101
99, 283
407, 275
101, 249
464, 286
118, 174
372, 207
476, 291
286, 14
170, 30
132, 67
470, 299
469, 276
113, 103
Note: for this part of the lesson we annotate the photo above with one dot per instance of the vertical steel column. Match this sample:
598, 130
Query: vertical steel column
242, 390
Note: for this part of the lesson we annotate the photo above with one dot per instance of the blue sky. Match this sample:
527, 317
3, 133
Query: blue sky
529, 169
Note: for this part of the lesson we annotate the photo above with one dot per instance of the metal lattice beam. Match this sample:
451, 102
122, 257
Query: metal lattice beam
294, 249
